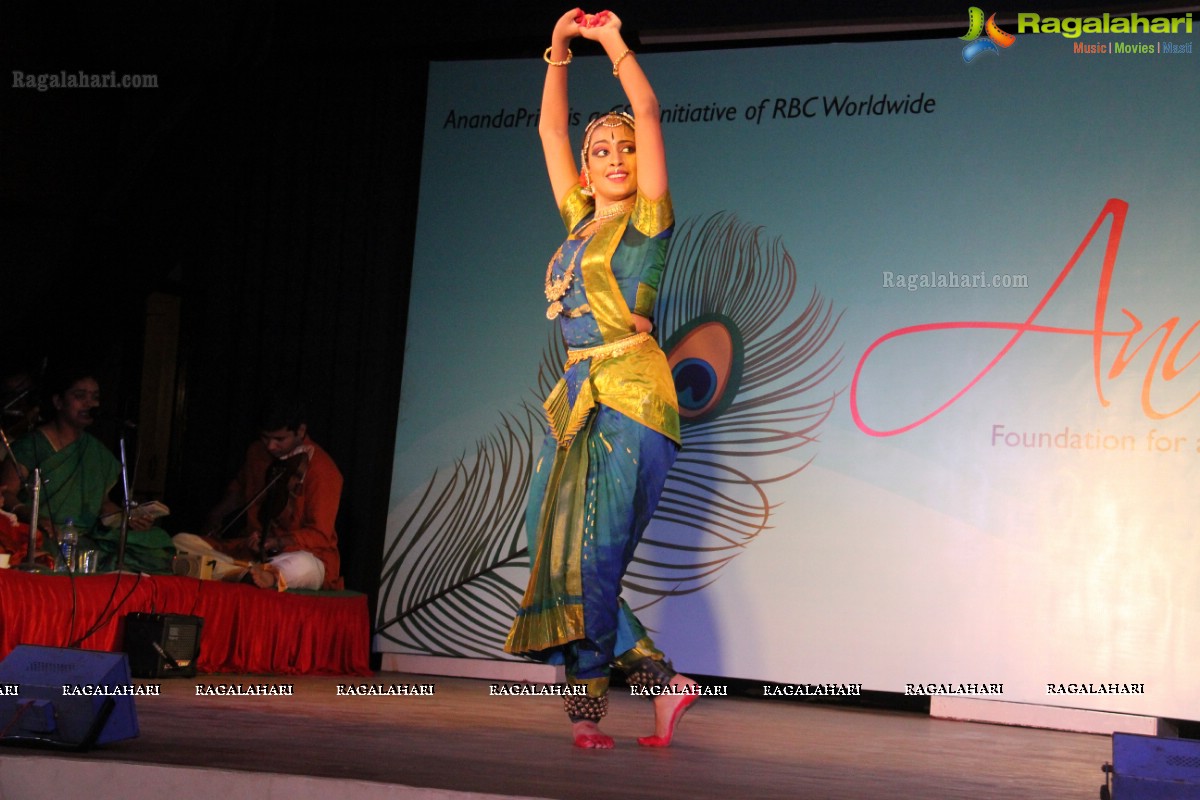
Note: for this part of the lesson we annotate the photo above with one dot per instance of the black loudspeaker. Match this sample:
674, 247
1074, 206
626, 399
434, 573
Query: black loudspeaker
65, 698
162, 645
1154, 768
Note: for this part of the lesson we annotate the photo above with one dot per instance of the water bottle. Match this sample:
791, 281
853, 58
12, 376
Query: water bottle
69, 542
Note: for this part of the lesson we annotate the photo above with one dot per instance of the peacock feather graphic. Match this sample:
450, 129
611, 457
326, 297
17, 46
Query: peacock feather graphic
752, 362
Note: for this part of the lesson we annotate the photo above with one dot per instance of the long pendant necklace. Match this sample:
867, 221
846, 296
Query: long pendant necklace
556, 289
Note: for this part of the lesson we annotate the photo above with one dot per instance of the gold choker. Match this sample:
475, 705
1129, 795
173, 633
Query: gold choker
615, 210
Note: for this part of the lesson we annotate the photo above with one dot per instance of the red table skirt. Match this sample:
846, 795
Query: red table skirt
246, 629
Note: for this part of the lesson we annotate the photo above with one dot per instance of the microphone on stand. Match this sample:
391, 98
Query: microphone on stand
99, 415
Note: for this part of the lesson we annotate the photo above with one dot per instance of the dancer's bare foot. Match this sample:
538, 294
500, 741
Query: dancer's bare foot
587, 734
668, 710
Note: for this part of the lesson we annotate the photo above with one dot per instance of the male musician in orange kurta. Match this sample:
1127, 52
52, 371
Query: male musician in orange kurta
287, 492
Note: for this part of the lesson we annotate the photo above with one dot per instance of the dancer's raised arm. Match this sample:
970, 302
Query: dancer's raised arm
651, 154
554, 126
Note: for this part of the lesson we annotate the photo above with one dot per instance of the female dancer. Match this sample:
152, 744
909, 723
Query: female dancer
614, 417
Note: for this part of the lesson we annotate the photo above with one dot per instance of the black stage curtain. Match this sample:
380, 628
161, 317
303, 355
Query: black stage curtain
297, 275
269, 182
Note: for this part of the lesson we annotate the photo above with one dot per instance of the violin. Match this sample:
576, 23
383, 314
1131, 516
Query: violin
283, 483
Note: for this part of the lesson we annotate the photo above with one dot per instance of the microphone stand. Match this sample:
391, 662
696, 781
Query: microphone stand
126, 506
30, 565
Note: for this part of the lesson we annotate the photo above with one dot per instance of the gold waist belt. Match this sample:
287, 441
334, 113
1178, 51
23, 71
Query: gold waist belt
610, 350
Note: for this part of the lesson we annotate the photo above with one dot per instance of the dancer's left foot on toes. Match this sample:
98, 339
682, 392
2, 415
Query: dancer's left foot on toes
668, 710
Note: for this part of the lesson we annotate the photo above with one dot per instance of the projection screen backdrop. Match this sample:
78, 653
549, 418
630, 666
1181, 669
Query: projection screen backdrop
932, 324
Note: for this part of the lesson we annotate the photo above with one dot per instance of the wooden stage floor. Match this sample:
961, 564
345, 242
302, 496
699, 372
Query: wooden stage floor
463, 740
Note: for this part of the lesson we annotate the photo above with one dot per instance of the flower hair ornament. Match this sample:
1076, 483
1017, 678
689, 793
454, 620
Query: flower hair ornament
613, 119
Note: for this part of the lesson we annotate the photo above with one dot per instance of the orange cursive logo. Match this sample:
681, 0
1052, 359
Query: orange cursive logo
1164, 362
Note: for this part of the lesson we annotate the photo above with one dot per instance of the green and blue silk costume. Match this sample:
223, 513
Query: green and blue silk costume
613, 435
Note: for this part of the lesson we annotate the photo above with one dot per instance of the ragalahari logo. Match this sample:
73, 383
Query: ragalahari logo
996, 38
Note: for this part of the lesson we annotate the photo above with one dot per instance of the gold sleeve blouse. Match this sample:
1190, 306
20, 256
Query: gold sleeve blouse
621, 265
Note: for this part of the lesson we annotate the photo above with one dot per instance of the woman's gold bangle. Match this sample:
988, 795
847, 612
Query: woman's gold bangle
620, 58
563, 63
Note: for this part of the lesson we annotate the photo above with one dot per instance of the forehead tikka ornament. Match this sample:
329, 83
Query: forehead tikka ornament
613, 119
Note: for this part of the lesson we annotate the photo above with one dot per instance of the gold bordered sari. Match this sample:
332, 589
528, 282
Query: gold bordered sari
613, 430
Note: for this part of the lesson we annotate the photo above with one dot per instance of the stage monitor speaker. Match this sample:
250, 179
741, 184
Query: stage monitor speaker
1155, 768
65, 698
162, 645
